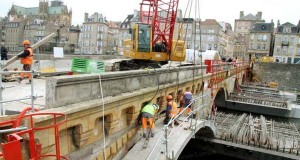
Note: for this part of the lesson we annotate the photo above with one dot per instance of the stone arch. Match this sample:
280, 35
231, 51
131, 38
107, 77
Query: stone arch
73, 134
220, 97
206, 131
128, 116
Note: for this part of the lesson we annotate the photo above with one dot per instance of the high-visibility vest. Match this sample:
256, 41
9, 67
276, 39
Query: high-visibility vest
29, 58
174, 107
149, 109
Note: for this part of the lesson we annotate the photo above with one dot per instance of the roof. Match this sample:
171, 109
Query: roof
262, 27
288, 24
35, 10
209, 22
294, 28
57, 10
249, 17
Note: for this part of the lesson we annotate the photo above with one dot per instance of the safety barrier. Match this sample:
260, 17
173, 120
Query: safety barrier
12, 149
193, 122
32, 97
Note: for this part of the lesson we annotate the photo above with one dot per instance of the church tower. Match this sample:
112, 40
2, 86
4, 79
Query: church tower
43, 8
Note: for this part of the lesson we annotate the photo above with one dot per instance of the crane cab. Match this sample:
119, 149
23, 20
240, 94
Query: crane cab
141, 47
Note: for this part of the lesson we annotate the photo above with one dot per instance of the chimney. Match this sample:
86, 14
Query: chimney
259, 15
96, 17
241, 14
278, 23
86, 16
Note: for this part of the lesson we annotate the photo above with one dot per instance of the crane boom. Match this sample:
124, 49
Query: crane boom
161, 14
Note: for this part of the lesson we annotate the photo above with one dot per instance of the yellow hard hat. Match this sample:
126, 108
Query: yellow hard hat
26, 42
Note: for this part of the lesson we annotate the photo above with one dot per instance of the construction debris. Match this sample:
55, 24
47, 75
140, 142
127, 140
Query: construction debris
257, 131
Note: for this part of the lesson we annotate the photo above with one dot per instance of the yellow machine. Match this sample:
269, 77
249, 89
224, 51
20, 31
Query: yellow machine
151, 40
139, 47
267, 59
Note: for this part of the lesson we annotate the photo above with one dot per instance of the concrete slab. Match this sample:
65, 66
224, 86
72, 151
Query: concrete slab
23, 90
176, 142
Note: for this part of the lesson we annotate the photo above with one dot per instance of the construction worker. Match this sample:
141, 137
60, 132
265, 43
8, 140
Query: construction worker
148, 113
26, 60
187, 99
3, 52
171, 109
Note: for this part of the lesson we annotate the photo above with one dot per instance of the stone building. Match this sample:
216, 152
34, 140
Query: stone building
14, 34
287, 43
227, 40
35, 23
242, 27
211, 35
56, 12
124, 32
2, 33
93, 38
114, 28
261, 39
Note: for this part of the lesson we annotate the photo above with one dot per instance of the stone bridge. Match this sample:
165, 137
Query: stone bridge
121, 94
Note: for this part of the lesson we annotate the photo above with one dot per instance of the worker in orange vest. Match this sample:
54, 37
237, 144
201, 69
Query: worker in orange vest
26, 60
171, 108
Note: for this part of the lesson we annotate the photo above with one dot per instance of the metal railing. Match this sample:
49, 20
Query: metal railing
193, 123
32, 96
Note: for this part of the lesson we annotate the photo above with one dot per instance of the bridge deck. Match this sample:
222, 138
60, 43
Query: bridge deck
180, 136
17, 90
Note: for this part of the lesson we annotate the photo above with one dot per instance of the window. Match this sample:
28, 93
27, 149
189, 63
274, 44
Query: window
252, 37
284, 49
265, 37
278, 49
298, 52
292, 39
188, 46
286, 38
291, 49
299, 40
258, 46
259, 37
210, 38
211, 31
144, 38
263, 47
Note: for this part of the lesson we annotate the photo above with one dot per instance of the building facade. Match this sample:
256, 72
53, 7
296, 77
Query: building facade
56, 12
35, 23
242, 27
287, 43
93, 38
114, 28
211, 35
261, 39
14, 34
2, 34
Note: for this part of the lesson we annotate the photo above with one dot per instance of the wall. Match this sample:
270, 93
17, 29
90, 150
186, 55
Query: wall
287, 75
66, 90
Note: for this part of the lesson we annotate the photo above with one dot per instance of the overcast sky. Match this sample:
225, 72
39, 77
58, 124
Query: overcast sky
221, 10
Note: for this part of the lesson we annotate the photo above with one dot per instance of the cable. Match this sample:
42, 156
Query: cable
103, 128
157, 85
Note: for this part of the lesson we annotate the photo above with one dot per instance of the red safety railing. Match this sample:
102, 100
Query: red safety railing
12, 149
